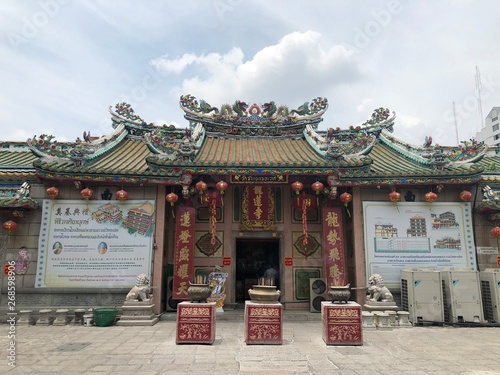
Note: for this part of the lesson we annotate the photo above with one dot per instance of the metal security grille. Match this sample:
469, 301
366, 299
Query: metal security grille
404, 295
446, 303
487, 302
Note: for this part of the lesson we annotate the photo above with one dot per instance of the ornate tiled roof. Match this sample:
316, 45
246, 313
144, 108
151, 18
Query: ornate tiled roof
16, 162
126, 162
391, 167
253, 139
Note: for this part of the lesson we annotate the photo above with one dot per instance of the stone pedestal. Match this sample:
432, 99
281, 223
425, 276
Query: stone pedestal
195, 323
368, 319
25, 318
137, 313
78, 319
393, 318
61, 317
404, 319
342, 323
44, 319
381, 319
263, 323
372, 306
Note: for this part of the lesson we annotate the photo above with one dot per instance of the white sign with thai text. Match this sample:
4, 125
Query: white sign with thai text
417, 235
95, 243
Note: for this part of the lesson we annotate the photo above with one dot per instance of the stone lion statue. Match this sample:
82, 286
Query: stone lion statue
140, 291
377, 290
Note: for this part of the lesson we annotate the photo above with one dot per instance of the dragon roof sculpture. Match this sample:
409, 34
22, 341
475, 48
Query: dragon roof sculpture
242, 119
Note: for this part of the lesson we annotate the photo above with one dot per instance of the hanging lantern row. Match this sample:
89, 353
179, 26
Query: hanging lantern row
86, 193
9, 226
430, 197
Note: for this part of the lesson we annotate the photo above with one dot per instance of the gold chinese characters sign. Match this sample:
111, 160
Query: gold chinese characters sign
183, 252
258, 208
333, 245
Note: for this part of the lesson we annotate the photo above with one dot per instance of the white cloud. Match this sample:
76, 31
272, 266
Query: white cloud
87, 56
366, 104
295, 67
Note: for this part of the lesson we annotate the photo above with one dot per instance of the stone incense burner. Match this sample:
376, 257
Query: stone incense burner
264, 293
340, 293
199, 292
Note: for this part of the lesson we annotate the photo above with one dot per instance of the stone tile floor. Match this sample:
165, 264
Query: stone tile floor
152, 350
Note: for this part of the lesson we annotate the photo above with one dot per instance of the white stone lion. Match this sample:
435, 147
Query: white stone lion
141, 290
377, 290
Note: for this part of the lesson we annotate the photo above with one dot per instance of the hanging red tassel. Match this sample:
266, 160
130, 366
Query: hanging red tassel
304, 224
213, 240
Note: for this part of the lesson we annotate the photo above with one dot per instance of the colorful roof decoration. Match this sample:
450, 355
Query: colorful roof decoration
242, 119
14, 196
251, 139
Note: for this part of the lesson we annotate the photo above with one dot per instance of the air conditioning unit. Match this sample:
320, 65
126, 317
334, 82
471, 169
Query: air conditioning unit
461, 295
490, 290
422, 295
317, 294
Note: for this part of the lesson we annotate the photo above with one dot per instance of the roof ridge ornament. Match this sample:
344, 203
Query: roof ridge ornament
438, 156
242, 119
79, 151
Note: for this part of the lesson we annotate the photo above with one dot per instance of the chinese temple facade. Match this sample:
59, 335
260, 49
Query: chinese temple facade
244, 188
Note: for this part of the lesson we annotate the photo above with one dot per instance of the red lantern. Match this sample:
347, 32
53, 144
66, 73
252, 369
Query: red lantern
495, 232
9, 226
52, 192
345, 198
317, 187
87, 193
394, 196
121, 195
201, 187
221, 186
430, 197
297, 186
172, 198
465, 195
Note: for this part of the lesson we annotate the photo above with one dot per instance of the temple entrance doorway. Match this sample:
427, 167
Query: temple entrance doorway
253, 258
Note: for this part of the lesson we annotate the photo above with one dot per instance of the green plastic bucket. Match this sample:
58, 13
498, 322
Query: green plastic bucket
104, 317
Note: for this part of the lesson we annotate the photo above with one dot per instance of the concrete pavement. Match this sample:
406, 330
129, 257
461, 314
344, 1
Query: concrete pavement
152, 350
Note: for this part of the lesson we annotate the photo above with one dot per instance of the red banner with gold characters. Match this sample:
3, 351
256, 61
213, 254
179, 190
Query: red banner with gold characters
183, 252
258, 208
333, 246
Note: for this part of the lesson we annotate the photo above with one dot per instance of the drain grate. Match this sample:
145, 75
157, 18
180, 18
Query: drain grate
72, 347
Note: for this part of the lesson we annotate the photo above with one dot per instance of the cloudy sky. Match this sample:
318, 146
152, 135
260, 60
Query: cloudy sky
64, 62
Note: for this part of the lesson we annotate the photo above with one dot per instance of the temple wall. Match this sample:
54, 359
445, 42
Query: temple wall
28, 229
27, 234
